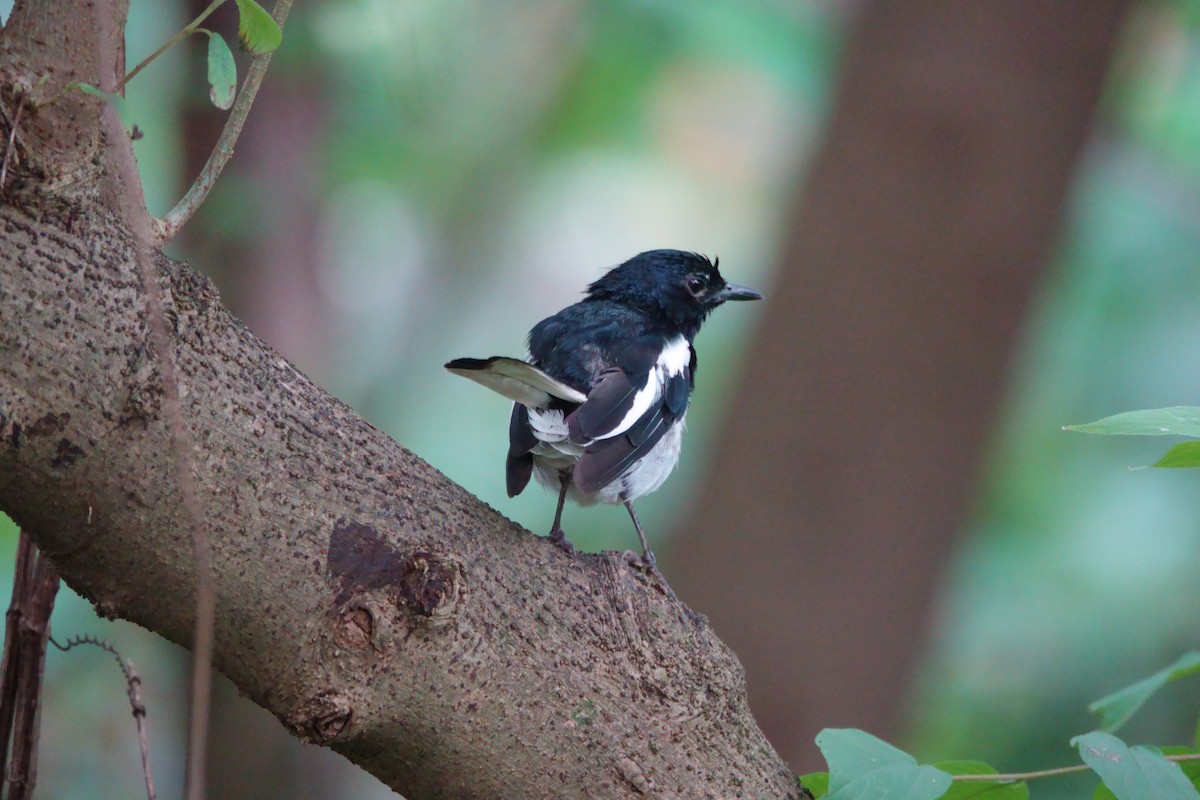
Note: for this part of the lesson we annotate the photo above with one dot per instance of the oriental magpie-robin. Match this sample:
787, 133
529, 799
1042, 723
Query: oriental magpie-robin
599, 406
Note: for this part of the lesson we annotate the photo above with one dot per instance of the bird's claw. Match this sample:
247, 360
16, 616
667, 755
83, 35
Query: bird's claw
559, 537
648, 564
636, 561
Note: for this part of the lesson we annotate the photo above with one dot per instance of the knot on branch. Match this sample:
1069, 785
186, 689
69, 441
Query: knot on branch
355, 629
430, 585
322, 719
425, 584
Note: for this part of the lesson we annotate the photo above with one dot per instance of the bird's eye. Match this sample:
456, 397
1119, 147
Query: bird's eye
696, 286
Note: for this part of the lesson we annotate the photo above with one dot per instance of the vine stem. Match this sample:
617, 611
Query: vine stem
167, 227
1013, 777
133, 682
174, 40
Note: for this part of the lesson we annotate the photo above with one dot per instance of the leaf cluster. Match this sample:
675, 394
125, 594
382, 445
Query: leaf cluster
257, 33
863, 767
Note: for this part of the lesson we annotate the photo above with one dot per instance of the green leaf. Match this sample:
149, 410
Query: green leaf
1184, 454
816, 782
1191, 769
222, 72
1176, 421
1116, 709
895, 782
1133, 773
850, 752
257, 32
980, 790
862, 767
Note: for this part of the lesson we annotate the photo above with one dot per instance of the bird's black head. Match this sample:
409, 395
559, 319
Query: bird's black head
682, 288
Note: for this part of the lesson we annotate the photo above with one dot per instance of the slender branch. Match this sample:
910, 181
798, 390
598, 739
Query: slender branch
12, 648
35, 586
139, 716
177, 217
1013, 777
133, 683
174, 40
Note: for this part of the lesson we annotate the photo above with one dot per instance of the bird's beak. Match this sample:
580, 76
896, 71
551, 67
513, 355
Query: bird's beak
734, 292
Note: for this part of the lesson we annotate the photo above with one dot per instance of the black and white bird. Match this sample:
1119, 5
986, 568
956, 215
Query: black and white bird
599, 405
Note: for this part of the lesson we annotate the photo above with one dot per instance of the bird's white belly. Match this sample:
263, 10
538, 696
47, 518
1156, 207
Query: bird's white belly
556, 453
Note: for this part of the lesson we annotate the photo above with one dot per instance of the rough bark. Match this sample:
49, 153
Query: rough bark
364, 599
845, 476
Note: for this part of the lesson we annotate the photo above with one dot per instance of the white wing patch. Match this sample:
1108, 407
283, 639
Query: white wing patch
674, 359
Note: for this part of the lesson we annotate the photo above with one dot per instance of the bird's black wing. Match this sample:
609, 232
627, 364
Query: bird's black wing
630, 408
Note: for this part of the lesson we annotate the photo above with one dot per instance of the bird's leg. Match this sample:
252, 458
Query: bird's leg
556, 533
647, 561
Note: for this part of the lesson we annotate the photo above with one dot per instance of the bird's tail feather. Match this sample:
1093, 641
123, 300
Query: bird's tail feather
517, 380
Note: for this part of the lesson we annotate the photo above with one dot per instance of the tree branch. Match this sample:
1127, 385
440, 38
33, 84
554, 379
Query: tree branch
368, 602
47, 45
363, 598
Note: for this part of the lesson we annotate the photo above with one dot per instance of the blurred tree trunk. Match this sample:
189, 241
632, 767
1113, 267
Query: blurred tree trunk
267, 266
838, 488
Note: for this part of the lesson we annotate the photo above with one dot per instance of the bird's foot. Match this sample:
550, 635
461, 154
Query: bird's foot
638, 562
559, 537
648, 564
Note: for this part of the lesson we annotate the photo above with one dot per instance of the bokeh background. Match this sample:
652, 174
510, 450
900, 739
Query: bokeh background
975, 223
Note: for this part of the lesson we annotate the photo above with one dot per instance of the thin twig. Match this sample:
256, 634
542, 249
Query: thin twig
123, 167
133, 683
174, 40
22, 573
170, 225
139, 716
1013, 777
